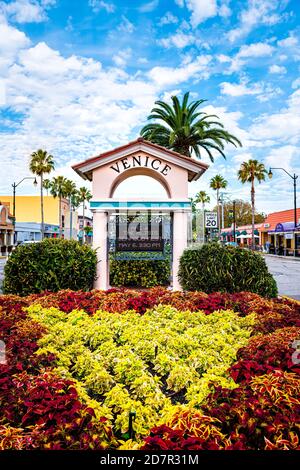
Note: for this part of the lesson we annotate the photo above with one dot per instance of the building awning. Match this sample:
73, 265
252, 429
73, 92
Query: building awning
285, 227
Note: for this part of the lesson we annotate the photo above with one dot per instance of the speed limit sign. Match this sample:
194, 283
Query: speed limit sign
211, 220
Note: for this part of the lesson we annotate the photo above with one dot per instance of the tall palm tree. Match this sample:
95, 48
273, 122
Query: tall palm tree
249, 172
203, 198
58, 189
70, 191
84, 195
217, 183
47, 185
185, 129
41, 163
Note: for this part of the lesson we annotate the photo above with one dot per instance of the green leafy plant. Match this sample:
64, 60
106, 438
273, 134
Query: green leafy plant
139, 273
52, 265
217, 268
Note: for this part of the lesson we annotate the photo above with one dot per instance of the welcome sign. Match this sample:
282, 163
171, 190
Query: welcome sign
146, 161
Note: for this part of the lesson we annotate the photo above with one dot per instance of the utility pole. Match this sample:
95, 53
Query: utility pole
234, 222
14, 186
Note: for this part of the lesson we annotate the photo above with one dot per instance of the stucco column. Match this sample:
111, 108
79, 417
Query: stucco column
179, 244
100, 245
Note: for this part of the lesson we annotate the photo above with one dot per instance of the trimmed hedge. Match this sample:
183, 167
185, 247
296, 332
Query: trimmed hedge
52, 265
139, 273
214, 267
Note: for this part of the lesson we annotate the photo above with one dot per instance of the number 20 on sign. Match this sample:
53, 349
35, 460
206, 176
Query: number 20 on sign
211, 220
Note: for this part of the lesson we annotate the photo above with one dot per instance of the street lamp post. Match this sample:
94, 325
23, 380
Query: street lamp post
14, 186
234, 223
294, 178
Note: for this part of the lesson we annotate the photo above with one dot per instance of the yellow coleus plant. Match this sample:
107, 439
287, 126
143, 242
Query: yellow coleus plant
149, 364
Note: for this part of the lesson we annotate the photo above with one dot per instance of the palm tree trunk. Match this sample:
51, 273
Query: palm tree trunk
253, 212
218, 207
203, 215
60, 219
83, 223
71, 220
42, 209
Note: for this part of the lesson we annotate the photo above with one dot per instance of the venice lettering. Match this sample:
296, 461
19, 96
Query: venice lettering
141, 162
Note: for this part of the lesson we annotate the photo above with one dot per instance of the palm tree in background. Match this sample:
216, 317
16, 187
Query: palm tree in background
58, 189
184, 129
47, 185
70, 191
41, 163
84, 195
203, 198
249, 172
217, 183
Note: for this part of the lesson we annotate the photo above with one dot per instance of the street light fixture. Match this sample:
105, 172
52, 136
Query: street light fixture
14, 186
294, 178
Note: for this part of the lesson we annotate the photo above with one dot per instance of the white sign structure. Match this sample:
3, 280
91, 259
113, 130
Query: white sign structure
139, 158
211, 220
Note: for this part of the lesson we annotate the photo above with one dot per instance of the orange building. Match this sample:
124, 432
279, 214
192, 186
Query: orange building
280, 234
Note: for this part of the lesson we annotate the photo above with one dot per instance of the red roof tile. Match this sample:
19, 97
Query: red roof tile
280, 217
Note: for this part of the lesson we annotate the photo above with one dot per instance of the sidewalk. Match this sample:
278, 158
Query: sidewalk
289, 258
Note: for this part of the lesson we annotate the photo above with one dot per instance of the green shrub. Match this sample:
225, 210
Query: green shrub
214, 268
52, 264
139, 273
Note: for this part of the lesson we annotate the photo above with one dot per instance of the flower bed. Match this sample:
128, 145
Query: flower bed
198, 371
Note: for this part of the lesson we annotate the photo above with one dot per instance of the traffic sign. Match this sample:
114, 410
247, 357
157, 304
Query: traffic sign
211, 220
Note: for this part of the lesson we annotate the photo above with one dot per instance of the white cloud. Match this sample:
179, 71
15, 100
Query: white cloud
11, 42
71, 106
224, 11
149, 6
168, 18
283, 155
165, 76
263, 91
122, 57
258, 49
98, 5
201, 11
282, 126
290, 41
258, 12
296, 83
126, 26
277, 69
223, 59
179, 40
238, 89
26, 11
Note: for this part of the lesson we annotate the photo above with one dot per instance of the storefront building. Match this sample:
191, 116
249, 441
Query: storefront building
28, 217
6, 230
242, 235
279, 234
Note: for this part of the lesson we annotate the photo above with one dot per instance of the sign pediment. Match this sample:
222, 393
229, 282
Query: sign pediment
141, 154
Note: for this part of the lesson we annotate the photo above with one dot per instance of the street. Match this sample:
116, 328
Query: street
287, 275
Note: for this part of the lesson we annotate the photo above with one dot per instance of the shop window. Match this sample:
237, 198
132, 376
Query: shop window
289, 243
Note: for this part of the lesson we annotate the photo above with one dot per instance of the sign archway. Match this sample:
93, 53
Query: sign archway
140, 157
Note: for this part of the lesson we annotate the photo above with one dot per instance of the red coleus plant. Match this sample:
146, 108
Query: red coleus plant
47, 413
266, 353
260, 414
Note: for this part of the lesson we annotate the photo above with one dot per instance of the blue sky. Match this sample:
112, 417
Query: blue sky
79, 77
